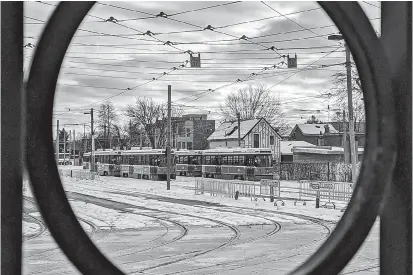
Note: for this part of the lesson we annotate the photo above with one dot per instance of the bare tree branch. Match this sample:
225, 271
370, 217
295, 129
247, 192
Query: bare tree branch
254, 102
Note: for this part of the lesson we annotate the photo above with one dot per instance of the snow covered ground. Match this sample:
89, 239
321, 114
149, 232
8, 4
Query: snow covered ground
143, 227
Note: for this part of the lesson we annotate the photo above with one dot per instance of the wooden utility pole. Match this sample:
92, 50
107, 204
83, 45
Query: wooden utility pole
239, 128
168, 147
70, 144
84, 138
74, 147
57, 142
64, 146
350, 117
92, 160
110, 140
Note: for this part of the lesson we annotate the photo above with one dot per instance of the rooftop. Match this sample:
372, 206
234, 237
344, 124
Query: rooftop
229, 130
315, 129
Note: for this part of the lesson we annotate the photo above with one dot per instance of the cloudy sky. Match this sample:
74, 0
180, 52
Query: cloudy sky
107, 58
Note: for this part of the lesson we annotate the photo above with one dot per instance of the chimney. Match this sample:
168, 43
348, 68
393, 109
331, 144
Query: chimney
327, 129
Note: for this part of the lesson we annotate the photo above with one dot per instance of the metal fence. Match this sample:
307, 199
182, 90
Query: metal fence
265, 189
79, 174
321, 171
330, 192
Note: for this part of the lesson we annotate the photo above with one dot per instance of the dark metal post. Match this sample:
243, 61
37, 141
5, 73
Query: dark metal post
168, 147
57, 142
12, 136
239, 129
396, 214
92, 155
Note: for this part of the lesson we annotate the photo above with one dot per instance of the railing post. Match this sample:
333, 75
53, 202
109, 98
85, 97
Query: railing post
12, 136
396, 214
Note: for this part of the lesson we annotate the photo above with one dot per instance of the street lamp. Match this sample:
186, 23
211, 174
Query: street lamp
350, 107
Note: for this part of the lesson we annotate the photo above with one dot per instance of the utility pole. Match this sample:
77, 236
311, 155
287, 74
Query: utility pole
110, 140
105, 139
64, 146
74, 147
70, 144
239, 129
350, 108
350, 116
92, 155
84, 138
92, 161
57, 142
168, 147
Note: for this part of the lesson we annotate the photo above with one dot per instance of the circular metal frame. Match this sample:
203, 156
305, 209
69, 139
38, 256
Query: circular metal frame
363, 208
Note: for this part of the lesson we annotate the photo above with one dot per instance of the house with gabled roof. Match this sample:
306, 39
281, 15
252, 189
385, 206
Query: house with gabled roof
322, 135
254, 133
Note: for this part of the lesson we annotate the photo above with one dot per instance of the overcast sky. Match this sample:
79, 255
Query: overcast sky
109, 57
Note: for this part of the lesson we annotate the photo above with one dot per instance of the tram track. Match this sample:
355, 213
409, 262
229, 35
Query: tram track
233, 265
42, 227
195, 254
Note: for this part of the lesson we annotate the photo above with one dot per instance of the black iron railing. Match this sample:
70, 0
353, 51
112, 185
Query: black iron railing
383, 187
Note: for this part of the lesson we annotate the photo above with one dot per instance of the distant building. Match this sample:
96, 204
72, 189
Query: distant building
191, 131
322, 135
286, 147
254, 133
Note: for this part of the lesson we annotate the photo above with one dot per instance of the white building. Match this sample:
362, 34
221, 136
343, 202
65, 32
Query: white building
254, 133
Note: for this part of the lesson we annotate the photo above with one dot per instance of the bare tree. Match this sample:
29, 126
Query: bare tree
253, 102
153, 118
105, 119
339, 96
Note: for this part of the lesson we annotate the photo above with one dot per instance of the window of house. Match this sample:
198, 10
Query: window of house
179, 145
189, 145
271, 140
183, 145
188, 132
226, 143
256, 140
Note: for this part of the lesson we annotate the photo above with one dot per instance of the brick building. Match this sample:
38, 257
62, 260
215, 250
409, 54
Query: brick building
191, 131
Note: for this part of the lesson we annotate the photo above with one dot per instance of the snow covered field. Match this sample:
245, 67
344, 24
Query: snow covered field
142, 227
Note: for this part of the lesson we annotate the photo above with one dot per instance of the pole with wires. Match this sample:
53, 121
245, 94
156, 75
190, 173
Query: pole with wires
350, 117
168, 147
239, 128
64, 146
57, 142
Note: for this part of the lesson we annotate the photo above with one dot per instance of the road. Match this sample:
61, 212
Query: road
194, 242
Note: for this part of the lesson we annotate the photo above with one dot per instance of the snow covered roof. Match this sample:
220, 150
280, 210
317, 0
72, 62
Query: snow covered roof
315, 129
287, 146
325, 150
228, 130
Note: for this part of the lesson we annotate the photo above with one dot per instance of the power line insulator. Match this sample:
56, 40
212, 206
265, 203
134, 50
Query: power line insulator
112, 19
29, 45
292, 61
209, 27
162, 14
244, 37
128, 89
149, 33
272, 48
169, 43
